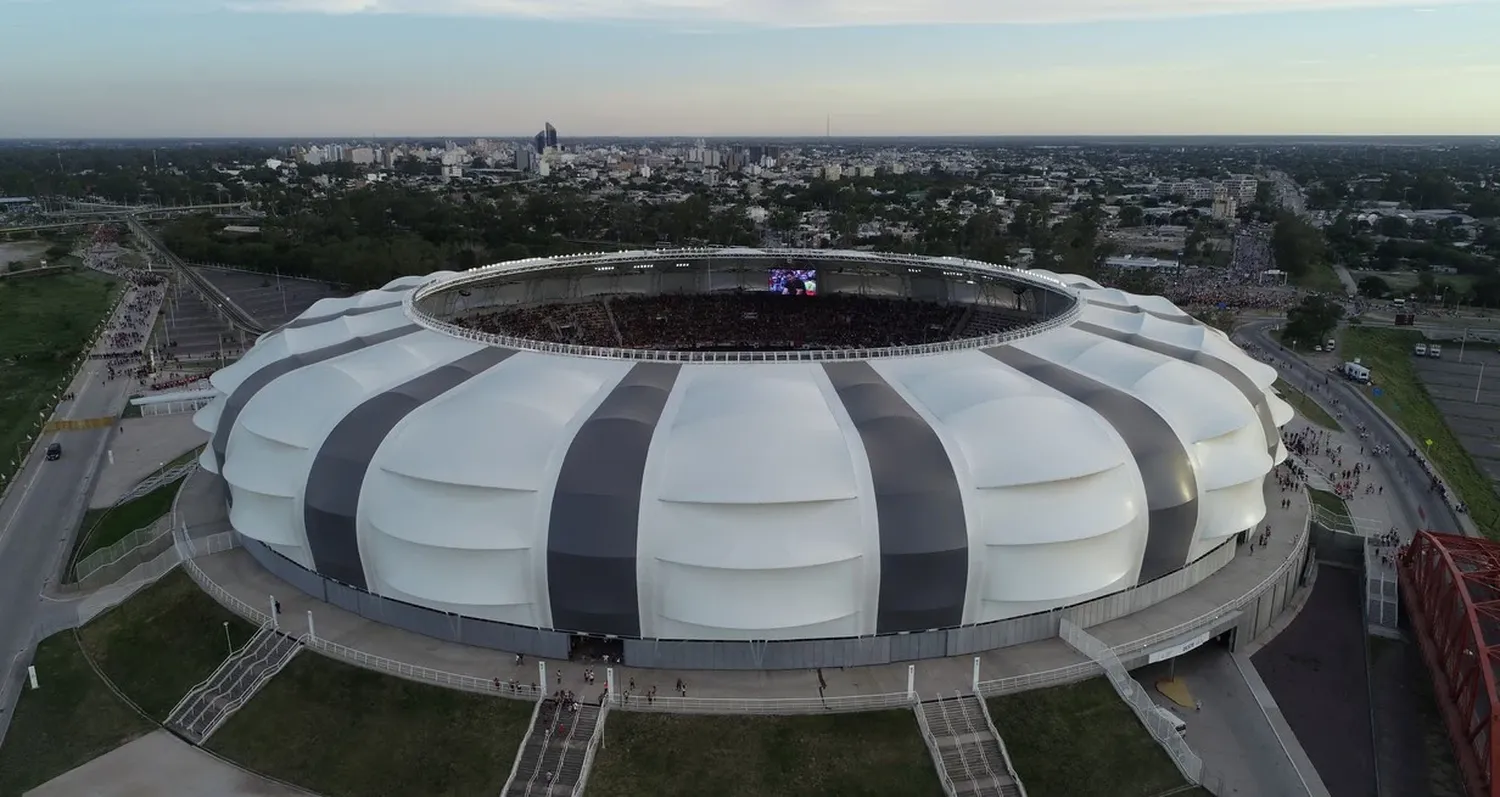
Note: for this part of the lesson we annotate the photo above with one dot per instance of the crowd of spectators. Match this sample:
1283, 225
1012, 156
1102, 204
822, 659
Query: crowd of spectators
1243, 285
739, 321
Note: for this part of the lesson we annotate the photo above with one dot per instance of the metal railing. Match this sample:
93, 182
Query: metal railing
937, 755
986, 271
515, 762
158, 479
1135, 696
241, 696
141, 576
104, 557
1076, 672
768, 705
1346, 522
468, 683
595, 741
175, 407
256, 639
1010, 767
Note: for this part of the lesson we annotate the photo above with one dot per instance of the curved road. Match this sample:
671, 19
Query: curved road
1396, 469
40, 511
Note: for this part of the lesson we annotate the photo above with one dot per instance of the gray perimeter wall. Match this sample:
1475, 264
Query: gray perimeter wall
758, 655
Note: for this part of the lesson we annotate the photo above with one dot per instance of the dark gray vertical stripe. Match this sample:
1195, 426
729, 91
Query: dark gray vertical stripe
1229, 373
596, 507
235, 402
338, 471
924, 537
1171, 484
1130, 308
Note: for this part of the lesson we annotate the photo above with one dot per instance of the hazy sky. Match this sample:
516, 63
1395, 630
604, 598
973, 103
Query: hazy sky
747, 67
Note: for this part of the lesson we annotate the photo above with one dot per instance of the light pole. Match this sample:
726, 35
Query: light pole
1461, 343
1478, 382
227, 641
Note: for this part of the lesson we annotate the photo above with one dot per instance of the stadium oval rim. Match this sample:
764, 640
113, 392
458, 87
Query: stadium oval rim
539, 265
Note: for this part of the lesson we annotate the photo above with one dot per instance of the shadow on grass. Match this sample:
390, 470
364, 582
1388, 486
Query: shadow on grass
344, 731
832, 755
1081, 740
162, 642
71, 720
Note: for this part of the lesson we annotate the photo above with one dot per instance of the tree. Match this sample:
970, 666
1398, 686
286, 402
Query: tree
1298, 246
1311, 322
1374, 288
1132, 216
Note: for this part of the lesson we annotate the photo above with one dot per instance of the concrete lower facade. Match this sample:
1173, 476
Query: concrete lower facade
1245, 595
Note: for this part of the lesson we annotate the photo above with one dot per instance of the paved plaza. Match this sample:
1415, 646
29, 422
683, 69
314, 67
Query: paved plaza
270, 299
140, 447
143, 767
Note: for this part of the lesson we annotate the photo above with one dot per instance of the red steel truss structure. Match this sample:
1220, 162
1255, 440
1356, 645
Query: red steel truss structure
1451, 585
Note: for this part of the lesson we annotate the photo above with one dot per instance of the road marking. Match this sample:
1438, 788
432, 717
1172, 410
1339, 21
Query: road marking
82, 425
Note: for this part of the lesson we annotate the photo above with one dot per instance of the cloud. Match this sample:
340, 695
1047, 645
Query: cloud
823, 13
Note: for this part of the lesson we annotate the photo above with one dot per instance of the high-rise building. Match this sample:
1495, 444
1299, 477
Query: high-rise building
550, 133
539, 143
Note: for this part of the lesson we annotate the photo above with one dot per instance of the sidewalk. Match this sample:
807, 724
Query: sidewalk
140, 447
236, 572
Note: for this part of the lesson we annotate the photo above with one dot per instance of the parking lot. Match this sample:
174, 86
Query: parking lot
1467, 393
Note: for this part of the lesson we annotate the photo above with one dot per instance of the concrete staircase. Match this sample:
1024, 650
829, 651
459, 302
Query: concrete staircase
207, 705
559, 743
967, 748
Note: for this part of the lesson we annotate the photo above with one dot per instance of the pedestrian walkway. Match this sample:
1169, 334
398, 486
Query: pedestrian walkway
966, 748
206, 706
552, 756
141, 447
240, 577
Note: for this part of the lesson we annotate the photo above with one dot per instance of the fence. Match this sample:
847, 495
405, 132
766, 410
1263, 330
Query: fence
595, 742
104, 557
1077, 672
1346, 523
936, 752
1131, 692
159, 478
175, 407
765, 705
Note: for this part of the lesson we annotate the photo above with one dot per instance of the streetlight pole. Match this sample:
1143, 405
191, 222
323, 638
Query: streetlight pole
1478, 382
227, 641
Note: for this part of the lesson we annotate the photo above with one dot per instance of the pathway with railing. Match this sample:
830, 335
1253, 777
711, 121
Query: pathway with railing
558, 747
206, 706
967, 750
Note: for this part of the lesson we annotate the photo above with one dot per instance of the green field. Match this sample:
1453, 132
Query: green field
1405, 281
1320, 276
1306, 407
47, 322
344, 731
102, 528
72, 719
1081, 740
1403, 397
829, 755
130, 642
1334, 506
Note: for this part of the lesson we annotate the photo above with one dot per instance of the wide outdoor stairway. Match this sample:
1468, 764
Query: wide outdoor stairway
972, 755
207, 705
557, 743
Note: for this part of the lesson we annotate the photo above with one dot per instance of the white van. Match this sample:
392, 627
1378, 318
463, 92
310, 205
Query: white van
1177, 723
1421, 350
1435, 351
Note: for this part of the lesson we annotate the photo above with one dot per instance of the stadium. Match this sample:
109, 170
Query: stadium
743, 459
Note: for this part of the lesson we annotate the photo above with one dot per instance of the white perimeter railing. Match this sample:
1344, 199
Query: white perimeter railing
257, 638
936, 752
104, 557
515, 761
768, 705
1088, 669
175, 407
595, 742
243, 695
159, 478
1010, 768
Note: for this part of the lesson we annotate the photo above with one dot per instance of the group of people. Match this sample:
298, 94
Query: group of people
1242, 285
736, 321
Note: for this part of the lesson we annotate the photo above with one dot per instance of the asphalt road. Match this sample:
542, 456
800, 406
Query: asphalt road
1402, 475
43, 507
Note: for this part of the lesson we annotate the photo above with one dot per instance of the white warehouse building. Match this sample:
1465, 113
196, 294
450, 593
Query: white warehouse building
523, 494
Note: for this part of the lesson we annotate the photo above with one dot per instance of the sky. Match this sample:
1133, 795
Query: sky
500, 68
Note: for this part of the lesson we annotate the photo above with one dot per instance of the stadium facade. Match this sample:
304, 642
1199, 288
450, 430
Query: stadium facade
796, 507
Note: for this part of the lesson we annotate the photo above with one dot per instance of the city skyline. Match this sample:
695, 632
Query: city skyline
327, 68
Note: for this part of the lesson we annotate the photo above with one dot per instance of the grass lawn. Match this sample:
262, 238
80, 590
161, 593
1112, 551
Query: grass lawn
666, 755
47, 322
1334, 506
343, 731
1404, 398
162, 642
1320, 277
1306, 407
102, 528
1081, 740
71, 720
